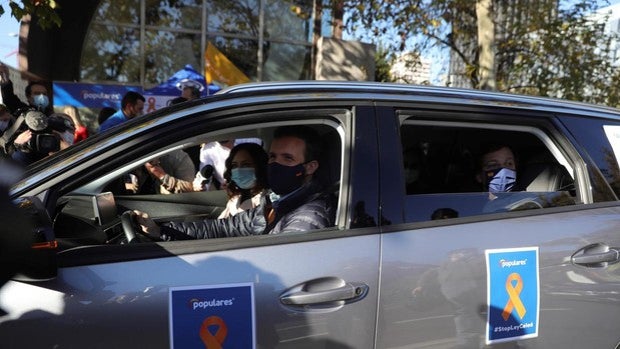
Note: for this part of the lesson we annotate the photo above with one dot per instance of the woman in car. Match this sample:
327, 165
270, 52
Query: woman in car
246, 175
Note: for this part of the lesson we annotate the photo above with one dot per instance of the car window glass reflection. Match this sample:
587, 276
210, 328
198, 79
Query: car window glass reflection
454, 172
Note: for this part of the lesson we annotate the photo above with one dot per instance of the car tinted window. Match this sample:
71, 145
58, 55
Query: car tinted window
596, 136
447, 174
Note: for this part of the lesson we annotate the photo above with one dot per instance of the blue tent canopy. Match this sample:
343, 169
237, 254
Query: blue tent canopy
187, 76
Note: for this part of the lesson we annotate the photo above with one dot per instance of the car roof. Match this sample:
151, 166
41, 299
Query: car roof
381, 90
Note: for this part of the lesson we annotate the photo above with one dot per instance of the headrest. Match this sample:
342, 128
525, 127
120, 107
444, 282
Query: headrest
544, 177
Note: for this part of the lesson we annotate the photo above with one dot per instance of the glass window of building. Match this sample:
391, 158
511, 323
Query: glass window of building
144, 42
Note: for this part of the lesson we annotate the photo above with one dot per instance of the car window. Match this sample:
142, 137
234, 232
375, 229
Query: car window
193, 194
600, 138
448, 175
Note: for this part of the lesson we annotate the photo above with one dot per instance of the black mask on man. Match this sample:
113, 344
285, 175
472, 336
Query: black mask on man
285, 179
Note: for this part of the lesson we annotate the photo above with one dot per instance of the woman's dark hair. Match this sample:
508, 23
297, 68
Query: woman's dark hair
260, 158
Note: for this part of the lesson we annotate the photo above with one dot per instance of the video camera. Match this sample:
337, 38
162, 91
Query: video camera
44, 140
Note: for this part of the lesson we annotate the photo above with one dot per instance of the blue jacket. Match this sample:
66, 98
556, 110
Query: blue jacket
114, 119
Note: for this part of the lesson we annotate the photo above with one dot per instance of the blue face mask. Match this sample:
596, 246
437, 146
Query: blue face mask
284, 179
41, 101
244, 177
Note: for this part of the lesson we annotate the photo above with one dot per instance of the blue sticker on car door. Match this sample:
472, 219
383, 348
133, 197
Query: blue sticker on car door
212, 316
513, 294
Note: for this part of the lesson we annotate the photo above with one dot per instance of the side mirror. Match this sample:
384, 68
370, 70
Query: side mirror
35, 258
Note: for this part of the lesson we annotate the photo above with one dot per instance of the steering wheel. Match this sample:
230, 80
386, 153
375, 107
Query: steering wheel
133, 232
527, 204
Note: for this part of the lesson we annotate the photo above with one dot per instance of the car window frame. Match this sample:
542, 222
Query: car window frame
582, 196
574, 126
287, 116
497, 115
542, 136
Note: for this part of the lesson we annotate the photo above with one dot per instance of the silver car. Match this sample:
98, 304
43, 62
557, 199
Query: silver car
421, 255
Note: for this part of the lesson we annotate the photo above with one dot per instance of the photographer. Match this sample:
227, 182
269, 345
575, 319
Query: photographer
6, 119
37, 93
42, 136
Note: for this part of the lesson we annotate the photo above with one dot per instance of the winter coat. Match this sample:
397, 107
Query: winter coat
307, 209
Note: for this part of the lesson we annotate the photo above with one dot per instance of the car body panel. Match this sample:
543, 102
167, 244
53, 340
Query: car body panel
111, 304
436, 278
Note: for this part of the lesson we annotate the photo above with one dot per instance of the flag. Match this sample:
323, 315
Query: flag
219, 68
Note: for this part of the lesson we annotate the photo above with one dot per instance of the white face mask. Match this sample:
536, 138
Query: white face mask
68, 137
4, 125
503, 180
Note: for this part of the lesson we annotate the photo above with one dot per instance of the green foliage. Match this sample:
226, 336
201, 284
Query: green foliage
548, 48
43, 10
567, 55
383, 62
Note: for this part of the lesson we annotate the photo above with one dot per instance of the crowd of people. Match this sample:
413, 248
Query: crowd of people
268, 193
31, 130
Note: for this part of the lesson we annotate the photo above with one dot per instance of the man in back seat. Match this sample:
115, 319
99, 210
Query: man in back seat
498, 168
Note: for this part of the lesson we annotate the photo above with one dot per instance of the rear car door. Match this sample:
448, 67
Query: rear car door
462, 268
310, 290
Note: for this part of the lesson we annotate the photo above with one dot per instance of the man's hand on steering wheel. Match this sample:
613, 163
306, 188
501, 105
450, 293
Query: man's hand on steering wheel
148, 225
137, 227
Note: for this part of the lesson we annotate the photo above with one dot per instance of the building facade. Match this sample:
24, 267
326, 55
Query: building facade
505, 14
143, 42
409, 68
612, 27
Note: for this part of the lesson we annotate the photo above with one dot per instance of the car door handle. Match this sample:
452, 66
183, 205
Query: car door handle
609, 257
596, 255
350, 291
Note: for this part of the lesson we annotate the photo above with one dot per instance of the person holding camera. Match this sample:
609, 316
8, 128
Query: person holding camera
6, 122
43, 136
6, 119
37, 93
168, 174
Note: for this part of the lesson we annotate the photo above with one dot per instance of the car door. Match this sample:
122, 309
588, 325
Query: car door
310, 290
484, 272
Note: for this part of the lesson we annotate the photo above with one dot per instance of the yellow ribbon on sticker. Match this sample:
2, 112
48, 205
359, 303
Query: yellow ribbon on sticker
213, 341
514, 302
